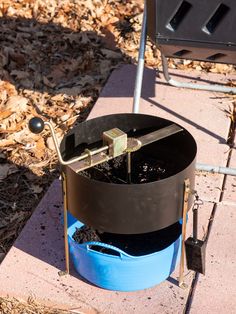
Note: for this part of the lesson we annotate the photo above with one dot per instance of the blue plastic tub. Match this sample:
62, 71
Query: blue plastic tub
123, 272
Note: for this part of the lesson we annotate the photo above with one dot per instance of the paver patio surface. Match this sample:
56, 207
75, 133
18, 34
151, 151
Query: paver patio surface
31, 267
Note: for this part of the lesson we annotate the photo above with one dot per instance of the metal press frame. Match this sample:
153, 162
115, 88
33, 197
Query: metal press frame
208, 87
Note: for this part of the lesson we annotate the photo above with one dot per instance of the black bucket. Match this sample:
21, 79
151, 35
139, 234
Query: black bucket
139, 207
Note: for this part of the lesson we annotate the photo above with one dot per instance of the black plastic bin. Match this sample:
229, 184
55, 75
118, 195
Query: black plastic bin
194, 29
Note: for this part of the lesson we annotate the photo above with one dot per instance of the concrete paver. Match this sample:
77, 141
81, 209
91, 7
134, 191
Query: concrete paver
216, 292
37, 255
39, 262
201, 112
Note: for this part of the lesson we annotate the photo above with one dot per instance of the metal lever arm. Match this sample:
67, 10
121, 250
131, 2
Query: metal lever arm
36, 125
159, 134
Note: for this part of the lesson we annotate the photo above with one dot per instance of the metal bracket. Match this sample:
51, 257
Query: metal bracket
89, 159
141, 61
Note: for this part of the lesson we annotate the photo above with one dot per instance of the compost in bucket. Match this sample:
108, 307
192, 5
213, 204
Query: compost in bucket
133, 244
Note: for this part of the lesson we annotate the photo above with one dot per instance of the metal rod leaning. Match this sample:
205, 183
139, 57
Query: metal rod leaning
141, 61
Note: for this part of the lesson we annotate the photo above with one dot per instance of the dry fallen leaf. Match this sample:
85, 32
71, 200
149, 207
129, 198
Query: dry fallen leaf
40, 148
19, 75
6, 170
4, 143
36, 189
24, 136
16, 103
111, 54
5, 114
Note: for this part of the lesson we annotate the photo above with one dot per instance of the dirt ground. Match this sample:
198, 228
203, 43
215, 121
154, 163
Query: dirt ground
55, 57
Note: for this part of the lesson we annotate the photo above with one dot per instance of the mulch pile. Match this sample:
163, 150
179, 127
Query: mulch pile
54, 61
14, 306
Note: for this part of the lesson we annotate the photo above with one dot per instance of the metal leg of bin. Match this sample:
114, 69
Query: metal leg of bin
184, 222
208, 87
141, 61
65, 212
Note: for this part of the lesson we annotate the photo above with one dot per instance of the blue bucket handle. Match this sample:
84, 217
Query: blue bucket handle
107, 246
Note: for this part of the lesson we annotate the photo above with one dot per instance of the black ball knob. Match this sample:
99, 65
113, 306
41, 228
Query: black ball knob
36, 125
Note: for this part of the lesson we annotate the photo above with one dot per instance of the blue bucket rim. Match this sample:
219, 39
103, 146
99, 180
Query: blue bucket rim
85, 245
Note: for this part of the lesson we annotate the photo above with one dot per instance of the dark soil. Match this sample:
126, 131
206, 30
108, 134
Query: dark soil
144, 169
133, 244
86, 234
